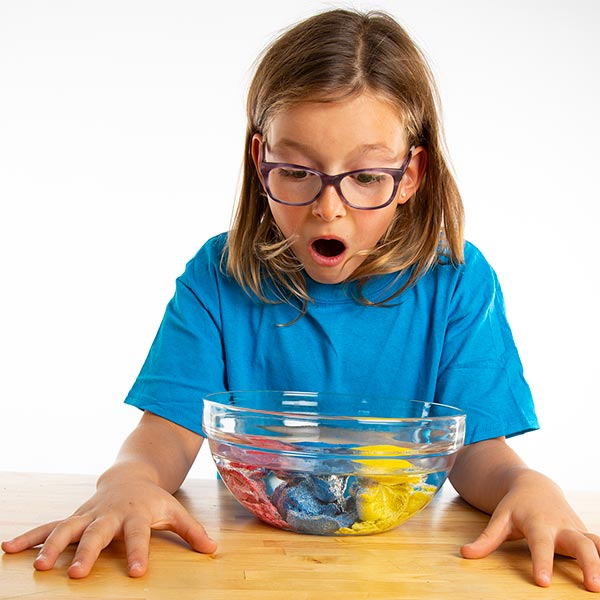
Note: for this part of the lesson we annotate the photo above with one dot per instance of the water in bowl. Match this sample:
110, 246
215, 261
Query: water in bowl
331, 495
329, 464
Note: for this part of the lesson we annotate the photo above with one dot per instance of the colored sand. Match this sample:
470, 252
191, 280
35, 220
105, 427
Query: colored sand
382, 506
384, 492
250, 491
311, 508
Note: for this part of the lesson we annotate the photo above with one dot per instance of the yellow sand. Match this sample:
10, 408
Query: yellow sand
384, 501
390, 465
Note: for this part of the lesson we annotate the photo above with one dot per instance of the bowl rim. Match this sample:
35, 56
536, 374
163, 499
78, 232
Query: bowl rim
458, 413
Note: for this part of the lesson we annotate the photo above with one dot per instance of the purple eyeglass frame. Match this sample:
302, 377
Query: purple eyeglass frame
334, 180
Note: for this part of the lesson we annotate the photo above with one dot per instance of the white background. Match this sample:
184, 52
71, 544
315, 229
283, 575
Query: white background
121, 133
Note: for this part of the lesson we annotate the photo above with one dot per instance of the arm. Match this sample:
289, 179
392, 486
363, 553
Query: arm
132, 497
158, 449
524, 504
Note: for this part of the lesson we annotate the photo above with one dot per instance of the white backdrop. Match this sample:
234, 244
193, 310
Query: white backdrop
121, 131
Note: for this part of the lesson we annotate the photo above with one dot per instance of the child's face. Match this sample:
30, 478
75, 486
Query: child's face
362, 132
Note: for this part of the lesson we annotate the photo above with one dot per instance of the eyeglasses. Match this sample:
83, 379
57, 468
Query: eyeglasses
363, 189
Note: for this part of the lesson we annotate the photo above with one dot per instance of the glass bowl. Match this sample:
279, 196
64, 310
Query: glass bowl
331, 464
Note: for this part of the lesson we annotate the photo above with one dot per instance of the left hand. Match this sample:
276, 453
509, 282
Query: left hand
536, 509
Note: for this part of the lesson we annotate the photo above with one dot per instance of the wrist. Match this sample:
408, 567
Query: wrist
126, 472
529, 478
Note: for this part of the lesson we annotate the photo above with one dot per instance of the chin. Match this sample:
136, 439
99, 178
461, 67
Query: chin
332, 277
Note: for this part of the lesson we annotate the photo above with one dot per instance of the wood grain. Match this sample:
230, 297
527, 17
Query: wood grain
419, 559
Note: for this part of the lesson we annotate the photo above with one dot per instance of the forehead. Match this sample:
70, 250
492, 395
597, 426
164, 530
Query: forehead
363, 120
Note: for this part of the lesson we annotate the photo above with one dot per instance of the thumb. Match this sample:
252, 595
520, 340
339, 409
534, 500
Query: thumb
490, 539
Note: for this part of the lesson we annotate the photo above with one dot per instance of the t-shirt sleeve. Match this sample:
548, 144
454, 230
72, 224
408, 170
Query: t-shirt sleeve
480, 368
185, 360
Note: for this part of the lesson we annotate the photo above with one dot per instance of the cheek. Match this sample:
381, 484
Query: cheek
374, 224
287, 219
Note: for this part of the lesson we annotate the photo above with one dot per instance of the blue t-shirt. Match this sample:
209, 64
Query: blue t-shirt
446, 339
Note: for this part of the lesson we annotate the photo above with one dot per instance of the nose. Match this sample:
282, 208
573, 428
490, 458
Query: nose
329, 206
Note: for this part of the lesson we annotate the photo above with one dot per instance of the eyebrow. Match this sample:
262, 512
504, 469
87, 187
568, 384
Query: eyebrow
289, 144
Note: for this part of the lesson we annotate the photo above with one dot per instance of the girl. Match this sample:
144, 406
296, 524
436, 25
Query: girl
345, 270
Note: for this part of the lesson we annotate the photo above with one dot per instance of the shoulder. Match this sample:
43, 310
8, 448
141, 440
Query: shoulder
205, 274
475, 267
208, 259
474, 256
212, 250
471, 281
476, 281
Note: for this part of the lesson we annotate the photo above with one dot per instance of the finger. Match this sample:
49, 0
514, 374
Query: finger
193, 532
595, 538
496, 532
29, 539
64, 533
585, 548
93, 540
589, 560
541, 547
136, 532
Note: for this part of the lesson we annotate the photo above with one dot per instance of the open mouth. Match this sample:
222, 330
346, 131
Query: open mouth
328, 248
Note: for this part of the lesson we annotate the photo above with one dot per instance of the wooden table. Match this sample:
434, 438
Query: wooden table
419, 559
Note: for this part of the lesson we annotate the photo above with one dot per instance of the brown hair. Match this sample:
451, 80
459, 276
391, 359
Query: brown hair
331, 56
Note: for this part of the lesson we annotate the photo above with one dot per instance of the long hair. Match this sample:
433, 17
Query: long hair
332, 56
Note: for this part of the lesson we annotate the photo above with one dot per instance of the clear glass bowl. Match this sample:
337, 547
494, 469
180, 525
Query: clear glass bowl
331, 464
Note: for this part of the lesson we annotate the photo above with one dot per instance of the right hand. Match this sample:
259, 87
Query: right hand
124, 509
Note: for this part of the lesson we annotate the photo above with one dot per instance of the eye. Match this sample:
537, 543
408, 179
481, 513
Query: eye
369, 177
293, 173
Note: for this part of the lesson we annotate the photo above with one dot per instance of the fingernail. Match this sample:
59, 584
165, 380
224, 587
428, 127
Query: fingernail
41, 555
136, 569
545, 577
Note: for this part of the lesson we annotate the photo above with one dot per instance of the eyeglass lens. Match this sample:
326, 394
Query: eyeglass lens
362, 189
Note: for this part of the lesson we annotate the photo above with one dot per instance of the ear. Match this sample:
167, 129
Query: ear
411, 180
256, 149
